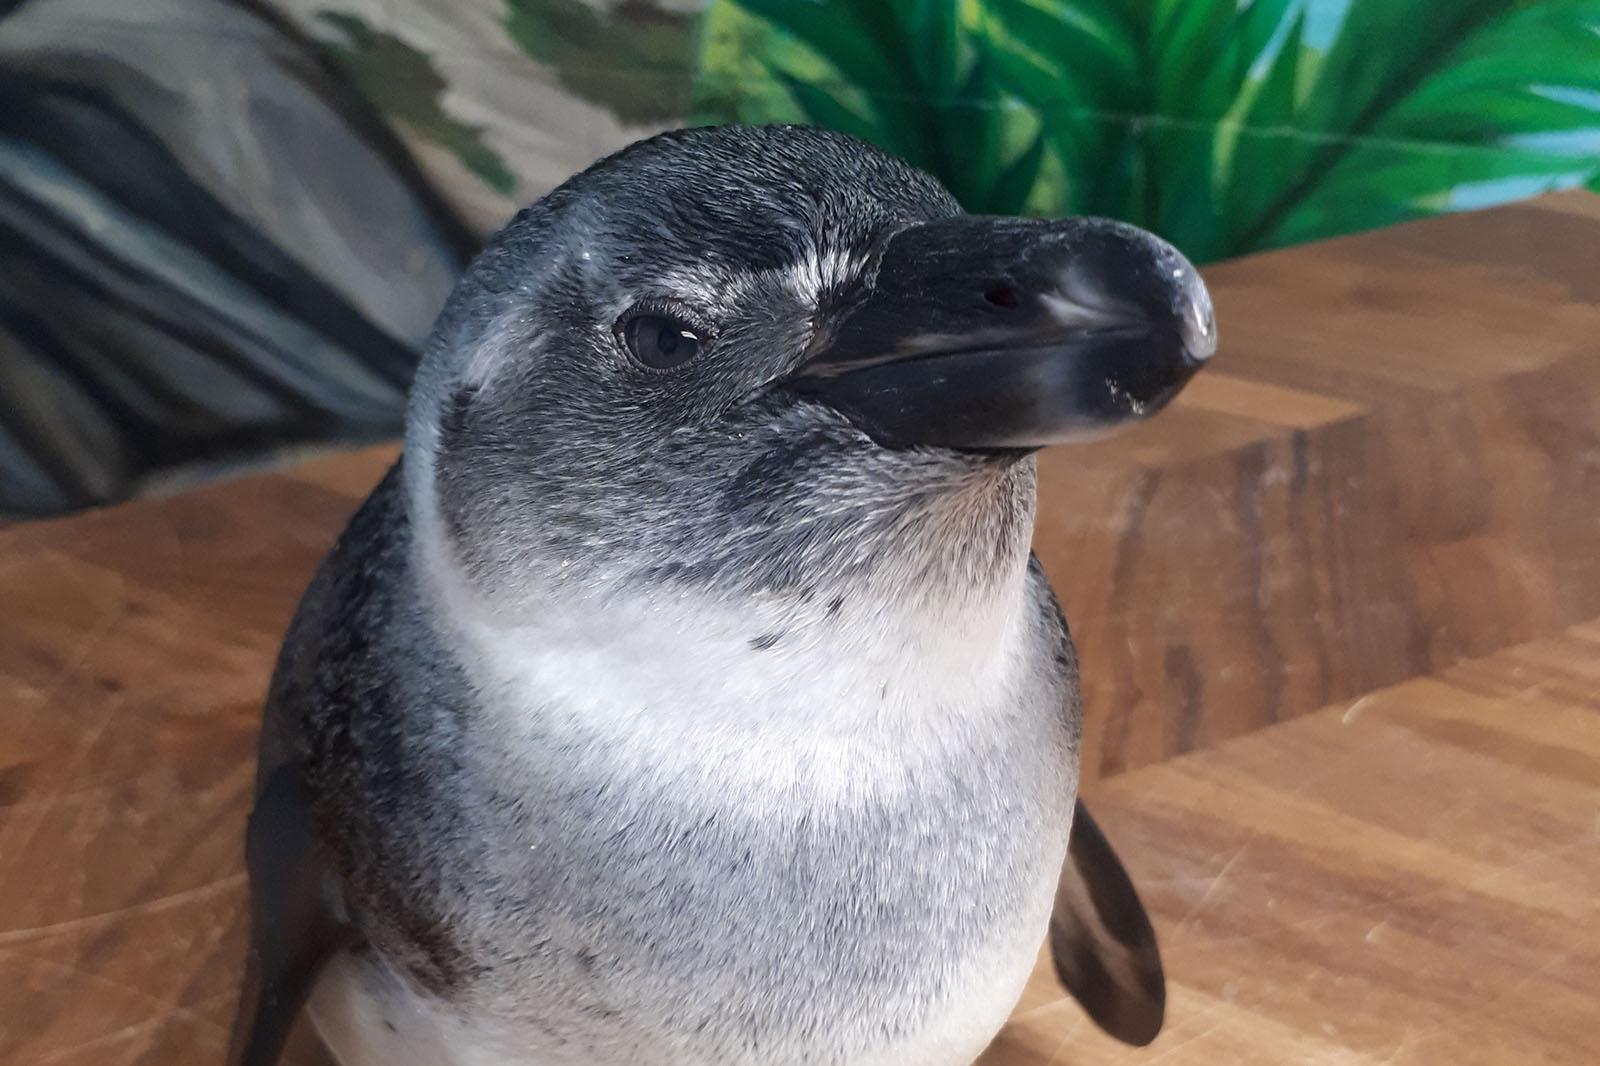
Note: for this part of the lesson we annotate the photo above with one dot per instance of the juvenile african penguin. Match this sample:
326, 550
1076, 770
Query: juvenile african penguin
687, 693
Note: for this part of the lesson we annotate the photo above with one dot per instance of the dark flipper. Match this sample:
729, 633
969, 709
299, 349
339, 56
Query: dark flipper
294, 926
1104, 949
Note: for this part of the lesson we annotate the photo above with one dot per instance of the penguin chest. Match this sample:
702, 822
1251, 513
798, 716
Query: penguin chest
857, 904
369, 1015
818, 853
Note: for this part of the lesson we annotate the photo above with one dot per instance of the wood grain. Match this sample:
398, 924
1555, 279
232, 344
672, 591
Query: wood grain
1392, 476
1411, 878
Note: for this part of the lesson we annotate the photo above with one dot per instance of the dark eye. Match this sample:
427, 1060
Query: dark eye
659, 341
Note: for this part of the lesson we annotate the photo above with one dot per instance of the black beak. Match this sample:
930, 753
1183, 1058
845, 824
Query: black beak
1006, 333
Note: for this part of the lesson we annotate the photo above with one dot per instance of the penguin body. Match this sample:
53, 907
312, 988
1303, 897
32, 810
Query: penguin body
688, 692
752, 845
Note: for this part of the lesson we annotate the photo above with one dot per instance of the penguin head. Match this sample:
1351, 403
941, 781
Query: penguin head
765, 359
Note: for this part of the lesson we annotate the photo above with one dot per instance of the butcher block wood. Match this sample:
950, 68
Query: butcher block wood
1378, 515
1410, 878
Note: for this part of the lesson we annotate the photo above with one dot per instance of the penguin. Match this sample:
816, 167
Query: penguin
688, 691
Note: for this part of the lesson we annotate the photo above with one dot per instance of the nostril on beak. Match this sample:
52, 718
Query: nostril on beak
1001, 295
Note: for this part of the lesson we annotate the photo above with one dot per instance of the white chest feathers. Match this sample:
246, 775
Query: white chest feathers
761, 836
770, 692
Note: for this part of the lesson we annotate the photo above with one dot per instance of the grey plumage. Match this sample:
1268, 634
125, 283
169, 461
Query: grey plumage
697, 714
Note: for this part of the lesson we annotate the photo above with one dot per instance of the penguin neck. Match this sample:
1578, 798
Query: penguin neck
942, 623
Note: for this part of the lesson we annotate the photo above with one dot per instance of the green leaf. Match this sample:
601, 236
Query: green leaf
865, 45
1384, 49
1259, 25
1492, 90
735, 82
1467, 81
971, 127
821, 108
1381, 183
1076, 65
1089, 42
1193, 75
932, 37
835, 30
1250, 150
1011, 189
1184, 208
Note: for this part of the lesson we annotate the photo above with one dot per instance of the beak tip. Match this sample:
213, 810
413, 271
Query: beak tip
1197, 323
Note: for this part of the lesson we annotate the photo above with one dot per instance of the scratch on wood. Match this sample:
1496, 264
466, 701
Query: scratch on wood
149, 906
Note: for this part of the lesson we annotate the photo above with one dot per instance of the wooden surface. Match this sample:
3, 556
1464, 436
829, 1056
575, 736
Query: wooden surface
1383, 501
1411, 878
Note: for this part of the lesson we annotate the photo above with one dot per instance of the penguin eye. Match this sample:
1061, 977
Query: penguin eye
660, 342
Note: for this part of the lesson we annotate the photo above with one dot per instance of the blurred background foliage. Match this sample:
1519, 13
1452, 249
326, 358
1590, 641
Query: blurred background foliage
1227, 126
225, 225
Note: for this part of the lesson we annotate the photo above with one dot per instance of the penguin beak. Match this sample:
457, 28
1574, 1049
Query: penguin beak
1012, 334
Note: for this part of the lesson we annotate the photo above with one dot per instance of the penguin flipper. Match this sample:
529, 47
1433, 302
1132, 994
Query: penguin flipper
294, 924
1100, 938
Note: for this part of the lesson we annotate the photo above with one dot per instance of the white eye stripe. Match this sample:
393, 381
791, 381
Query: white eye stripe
721, 291
718, 291
817, 273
